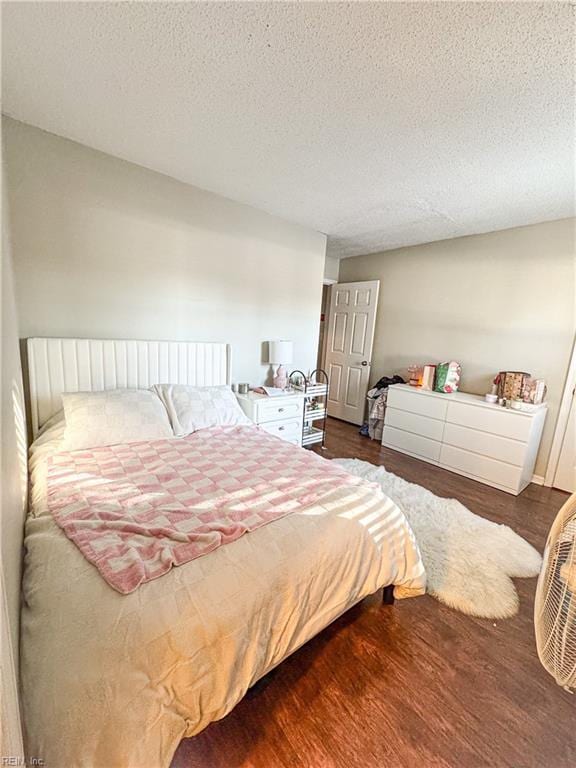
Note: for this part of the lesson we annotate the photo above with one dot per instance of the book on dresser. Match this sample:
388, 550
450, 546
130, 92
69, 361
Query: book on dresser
465, 434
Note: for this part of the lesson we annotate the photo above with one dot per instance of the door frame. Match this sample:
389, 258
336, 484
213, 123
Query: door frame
562, 420
335, 284
326, 283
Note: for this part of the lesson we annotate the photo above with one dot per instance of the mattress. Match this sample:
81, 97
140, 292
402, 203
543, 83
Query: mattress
116, 681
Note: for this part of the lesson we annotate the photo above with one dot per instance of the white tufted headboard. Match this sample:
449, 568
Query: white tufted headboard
92, 365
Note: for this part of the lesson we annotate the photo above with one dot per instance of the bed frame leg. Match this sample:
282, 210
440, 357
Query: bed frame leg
388, 595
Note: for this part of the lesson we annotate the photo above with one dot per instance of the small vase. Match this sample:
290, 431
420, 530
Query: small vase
281, 379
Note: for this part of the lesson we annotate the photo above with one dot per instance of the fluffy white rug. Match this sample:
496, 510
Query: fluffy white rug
468, 559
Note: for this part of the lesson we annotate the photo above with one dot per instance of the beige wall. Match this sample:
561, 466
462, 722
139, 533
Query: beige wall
13, 483
501, 301
105, 248
331, 269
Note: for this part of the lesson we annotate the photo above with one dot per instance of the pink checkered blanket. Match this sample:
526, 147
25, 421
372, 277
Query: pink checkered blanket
137, 510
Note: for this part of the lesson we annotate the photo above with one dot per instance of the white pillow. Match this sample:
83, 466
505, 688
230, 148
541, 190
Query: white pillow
193, 408
115, 416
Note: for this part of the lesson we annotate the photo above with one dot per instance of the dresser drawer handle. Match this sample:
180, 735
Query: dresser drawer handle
281, 429
280, 410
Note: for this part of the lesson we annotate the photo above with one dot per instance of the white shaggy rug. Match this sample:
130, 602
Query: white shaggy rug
469, 560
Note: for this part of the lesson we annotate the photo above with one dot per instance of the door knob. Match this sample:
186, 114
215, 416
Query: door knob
364, 362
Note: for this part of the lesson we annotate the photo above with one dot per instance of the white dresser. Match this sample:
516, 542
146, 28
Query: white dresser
465, 434
280, 415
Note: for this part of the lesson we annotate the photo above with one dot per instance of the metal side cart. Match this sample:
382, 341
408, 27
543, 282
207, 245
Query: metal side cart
315, 404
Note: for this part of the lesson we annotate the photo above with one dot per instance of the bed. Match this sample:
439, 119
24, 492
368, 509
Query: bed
117, 680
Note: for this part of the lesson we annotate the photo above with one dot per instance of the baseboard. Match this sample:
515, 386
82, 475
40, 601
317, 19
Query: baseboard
538, 479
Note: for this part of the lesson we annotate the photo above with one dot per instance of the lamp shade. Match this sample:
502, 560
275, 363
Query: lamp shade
280, 352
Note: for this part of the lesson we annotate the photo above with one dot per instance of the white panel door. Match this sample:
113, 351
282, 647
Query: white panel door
349, 349
565, 477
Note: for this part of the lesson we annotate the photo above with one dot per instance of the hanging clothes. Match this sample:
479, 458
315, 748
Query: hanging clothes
377, 397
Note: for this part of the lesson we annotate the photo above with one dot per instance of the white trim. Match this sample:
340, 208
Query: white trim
537, 479
329, 281
228, 364
562, 420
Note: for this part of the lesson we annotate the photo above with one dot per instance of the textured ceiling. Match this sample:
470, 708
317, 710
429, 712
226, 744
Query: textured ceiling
382, 124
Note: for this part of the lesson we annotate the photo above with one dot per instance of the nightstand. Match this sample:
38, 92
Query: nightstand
280, 415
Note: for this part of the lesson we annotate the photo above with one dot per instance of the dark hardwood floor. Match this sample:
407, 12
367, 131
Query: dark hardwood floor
416, 684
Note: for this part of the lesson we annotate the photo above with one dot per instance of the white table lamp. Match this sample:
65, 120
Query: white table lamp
280, 353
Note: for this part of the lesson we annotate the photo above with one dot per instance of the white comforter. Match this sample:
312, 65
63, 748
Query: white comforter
116, 681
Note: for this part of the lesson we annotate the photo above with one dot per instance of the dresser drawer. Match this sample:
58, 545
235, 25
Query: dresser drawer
481, 467
492, 446
498, 421
417, 402
413, 422
410, 443
287, 429
271, 410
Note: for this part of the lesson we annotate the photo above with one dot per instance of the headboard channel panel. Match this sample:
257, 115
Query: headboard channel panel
92, 365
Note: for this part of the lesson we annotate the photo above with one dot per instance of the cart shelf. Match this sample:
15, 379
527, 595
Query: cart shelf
312, 389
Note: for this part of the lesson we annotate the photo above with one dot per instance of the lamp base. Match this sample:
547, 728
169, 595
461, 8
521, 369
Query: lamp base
281, 378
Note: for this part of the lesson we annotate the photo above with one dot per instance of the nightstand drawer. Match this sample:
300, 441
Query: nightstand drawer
280, 416
269, 410
287, 429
